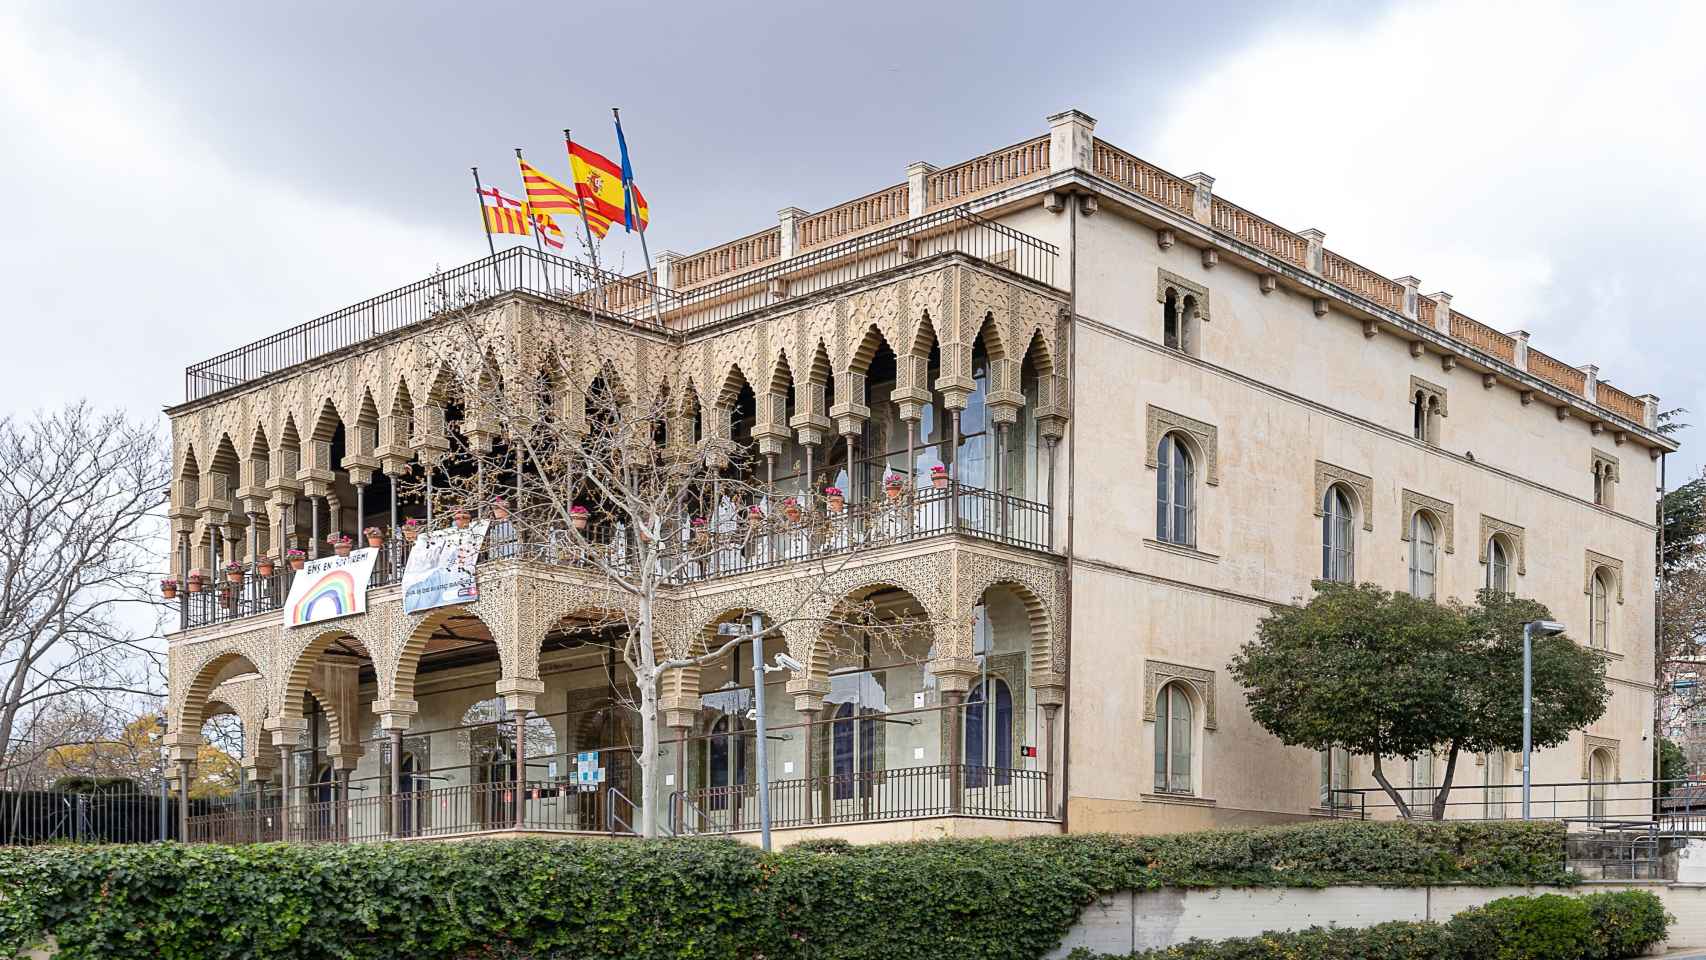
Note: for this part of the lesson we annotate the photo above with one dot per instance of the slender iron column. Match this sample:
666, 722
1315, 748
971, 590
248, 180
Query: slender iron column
520, 768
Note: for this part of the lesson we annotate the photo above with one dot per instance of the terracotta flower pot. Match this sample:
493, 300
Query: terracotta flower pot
234, 576
296, 563
169, 590
500, 513
939, 481
579, 521
792, 513
410, 533
195, 584
342, 549
836, 504
893, 493
462, 519
264, 568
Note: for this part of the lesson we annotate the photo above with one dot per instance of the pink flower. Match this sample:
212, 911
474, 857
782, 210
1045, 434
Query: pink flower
832, 491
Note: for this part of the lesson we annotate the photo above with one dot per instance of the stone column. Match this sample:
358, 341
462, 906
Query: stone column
287, 734
395, 716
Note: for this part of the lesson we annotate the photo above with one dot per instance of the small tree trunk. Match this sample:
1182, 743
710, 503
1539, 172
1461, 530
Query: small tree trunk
648, 684
1397, 800
1445, 785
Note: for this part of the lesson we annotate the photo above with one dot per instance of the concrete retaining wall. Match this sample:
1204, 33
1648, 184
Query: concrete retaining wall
1129, 921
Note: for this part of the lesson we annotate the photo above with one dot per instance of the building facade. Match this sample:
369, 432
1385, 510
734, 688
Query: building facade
1129, 417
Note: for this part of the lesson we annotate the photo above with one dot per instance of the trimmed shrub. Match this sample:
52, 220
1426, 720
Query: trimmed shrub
1602, 926
1547, 927
1386, 941
693, 898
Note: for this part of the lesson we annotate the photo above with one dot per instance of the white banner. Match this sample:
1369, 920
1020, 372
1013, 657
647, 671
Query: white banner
441, 565
329, 588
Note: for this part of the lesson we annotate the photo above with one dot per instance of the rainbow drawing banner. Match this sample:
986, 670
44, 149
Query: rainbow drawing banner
440, 571
330, 587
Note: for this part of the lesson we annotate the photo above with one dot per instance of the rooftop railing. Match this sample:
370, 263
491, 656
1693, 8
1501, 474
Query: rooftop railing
517, 269
629, 300
955, 230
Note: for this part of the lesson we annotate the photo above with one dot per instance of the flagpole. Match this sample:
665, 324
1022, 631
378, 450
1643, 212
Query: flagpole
598, 273
480, 198
628, 190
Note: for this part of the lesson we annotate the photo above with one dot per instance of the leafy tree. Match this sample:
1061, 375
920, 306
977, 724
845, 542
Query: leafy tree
1673, 765
1391, 675
133, 755
1683, 520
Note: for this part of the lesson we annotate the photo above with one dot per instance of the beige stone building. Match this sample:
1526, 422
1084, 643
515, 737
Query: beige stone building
1158, 414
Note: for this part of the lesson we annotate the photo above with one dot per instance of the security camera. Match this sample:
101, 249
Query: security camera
784, 660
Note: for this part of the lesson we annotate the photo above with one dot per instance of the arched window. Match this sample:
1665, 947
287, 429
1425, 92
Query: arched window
989, 746
1419, 424
1175, 478
1174, 740
1338, 547
1599, 610
1599, 774
725, 761
853, 750
1423, 555
1172, 329
1498, 565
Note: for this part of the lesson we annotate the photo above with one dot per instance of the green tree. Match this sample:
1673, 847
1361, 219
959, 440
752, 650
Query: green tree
1391, 675
1673, 765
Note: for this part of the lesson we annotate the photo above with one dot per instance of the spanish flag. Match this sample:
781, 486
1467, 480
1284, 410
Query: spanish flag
599, 183
544, 194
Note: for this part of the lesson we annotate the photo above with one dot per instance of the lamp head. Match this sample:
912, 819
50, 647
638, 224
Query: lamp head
1545, 628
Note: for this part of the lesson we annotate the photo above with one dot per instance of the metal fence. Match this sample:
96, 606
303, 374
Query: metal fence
866, 796
140, 815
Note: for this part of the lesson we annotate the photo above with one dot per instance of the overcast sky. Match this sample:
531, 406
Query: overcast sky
184, 178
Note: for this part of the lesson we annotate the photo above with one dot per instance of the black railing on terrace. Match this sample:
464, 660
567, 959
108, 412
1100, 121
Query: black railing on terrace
517, 269
735, 547
630, 300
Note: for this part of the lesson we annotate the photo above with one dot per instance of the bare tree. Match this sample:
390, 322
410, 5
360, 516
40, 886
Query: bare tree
79, 536
644, 492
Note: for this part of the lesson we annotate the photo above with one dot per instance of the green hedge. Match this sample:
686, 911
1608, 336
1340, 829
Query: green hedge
1602, 926
692, 898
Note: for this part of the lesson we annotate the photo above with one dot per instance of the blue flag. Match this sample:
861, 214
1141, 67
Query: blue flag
630, 216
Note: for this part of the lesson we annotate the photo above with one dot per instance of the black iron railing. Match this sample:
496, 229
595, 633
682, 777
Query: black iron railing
736, 547
864, 796
518, 269
631, 301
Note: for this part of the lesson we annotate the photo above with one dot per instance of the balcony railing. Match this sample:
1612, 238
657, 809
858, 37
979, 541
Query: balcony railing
629, 300
908, 793
555, 806
953, 509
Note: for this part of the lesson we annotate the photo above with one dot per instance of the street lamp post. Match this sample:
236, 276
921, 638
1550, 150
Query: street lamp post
1545, 628
755, 632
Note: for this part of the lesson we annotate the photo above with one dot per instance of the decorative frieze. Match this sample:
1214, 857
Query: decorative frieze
1158, 673
1359, 484
1596, 562
1203, 436
1513, 534
1445, 512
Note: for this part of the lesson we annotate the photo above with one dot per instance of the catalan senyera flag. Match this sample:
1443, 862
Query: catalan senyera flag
599, 183
504, 214
546, 194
